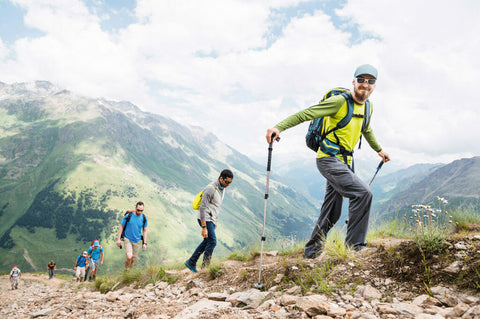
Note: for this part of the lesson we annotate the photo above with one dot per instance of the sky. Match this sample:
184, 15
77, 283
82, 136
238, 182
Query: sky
238, 67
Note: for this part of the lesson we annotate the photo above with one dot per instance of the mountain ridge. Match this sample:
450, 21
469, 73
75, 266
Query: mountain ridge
75, 164
457, 182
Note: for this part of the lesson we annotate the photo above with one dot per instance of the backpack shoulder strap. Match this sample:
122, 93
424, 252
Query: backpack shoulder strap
350, 106
129, 215
348, 117
367, 116
334, 91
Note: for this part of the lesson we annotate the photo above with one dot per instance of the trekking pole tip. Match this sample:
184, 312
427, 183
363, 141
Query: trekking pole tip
258, 286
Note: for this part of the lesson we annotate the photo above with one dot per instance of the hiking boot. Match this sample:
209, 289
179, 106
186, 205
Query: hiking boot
192, 268
313, 249
311, 254
366, 249
359, 247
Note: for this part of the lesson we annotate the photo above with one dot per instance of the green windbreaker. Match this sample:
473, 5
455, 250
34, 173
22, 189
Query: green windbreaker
335, 109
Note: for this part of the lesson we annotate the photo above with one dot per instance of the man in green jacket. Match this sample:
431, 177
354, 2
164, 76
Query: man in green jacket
341, 180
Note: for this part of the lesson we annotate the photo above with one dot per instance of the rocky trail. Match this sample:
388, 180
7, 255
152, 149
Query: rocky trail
391, 280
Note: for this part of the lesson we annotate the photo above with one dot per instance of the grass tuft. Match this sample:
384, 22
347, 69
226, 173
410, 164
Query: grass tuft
313, 279
215, 270
335, 247
464, 217
136, 277
394, 228
240, 257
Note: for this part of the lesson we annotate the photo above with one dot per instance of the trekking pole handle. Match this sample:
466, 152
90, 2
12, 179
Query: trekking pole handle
270, 148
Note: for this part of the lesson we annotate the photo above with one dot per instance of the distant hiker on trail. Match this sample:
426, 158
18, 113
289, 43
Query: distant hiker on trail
51, 267
95, 251
211, 200
334, 159
79, 267
15, 275
130, 231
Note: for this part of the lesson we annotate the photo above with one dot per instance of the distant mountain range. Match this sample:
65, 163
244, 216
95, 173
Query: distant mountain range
458, 182
70, 166
394, 193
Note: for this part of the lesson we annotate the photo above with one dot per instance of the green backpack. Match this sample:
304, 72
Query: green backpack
198, 198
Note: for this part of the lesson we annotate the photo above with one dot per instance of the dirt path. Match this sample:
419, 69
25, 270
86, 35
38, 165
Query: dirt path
32, 288
26, 280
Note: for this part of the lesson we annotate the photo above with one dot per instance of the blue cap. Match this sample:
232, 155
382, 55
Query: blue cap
366, 69
96, 243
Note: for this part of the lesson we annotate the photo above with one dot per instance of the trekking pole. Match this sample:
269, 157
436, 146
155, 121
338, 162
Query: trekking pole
378, 168
270, 148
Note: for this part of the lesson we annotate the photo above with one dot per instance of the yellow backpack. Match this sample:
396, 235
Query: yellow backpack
198, 198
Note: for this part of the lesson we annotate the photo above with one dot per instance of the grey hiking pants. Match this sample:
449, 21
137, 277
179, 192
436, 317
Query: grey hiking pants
341, 182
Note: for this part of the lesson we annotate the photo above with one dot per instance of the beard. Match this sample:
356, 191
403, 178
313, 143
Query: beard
362, 95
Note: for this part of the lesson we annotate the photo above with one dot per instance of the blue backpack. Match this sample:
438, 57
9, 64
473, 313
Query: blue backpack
316, 133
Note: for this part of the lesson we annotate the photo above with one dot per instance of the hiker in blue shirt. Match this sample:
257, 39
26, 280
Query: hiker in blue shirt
95, 251
79, 267
130, 230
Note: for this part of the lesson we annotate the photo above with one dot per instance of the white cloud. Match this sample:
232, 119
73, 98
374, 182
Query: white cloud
208, 63
3, 50
427, 61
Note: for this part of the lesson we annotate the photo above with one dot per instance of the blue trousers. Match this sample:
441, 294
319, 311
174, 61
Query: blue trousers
206, 247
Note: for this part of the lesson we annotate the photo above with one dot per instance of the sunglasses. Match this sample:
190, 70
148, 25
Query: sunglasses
138, 210
227, 182
369, 81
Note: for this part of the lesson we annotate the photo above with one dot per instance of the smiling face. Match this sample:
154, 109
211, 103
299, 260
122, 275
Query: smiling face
362, 91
